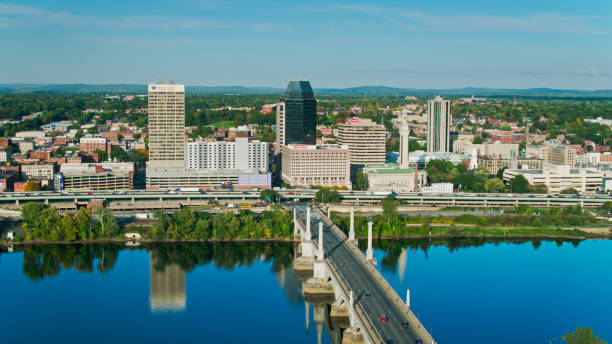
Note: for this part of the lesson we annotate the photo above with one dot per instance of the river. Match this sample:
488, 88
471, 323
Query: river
464, 291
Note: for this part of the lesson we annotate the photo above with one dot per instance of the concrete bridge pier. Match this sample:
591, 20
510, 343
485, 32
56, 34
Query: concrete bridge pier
370, 251
308, 234
339, 316
17, 202
352, 336
352, 226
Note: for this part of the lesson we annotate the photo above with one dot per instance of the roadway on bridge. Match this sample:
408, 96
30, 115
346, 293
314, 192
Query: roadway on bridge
362, 282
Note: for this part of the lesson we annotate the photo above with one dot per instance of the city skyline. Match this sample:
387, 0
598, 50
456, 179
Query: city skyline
446, 45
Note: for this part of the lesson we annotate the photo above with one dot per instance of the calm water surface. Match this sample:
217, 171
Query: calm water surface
469, 291
464, 291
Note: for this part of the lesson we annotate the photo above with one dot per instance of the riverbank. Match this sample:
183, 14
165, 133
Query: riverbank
473, 235
144, 241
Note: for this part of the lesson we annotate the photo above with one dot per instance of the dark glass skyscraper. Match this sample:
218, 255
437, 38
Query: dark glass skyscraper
297, 115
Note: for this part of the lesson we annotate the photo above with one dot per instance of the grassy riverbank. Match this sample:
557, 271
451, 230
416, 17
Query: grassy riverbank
573, 224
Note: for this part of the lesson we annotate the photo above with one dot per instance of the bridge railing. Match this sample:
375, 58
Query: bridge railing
413, 321
359, 312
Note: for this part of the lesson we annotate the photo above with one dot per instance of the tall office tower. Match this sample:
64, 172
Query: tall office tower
296, 116
366, 140
438, 125
166, 125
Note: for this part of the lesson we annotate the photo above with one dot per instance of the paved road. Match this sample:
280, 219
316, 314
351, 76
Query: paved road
362, 282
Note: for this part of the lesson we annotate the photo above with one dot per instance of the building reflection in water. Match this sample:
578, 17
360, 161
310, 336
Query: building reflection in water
167, 287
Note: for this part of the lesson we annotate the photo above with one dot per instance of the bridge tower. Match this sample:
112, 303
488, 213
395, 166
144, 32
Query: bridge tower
352, 227
370, 251
320, 253
319, 263
295, 225
408, 297
308, 234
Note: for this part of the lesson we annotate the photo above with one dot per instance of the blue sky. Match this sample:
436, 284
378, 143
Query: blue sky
420, 44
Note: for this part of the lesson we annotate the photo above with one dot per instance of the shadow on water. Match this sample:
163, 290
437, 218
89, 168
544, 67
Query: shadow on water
41, 261
393, 248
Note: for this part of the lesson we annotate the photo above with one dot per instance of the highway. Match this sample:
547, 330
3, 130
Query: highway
361, 281
356, 197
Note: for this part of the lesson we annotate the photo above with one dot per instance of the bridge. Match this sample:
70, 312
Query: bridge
336, 273
146, 201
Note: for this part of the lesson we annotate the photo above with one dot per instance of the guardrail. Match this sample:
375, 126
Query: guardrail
413, 321
359, 312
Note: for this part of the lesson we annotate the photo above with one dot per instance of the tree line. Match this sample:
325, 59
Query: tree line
44, 222
186, 224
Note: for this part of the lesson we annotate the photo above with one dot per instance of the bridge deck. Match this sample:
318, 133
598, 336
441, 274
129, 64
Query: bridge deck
355, 272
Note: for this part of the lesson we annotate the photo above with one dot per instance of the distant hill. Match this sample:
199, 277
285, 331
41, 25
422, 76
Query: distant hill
355, 91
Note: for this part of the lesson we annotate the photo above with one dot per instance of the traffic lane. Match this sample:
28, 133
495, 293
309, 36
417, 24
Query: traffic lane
377, 305
360, 280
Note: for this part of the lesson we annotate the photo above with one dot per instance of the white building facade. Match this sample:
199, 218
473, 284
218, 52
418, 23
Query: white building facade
240, 155
439, 120
560, 177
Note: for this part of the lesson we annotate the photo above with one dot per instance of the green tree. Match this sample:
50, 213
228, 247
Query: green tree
269, 196
477, 140
327, 196
118, 153
361, 181
500, 173
570, 191
83, 222
389, 208
539, 189
67, 230
413, 145
102, 155
494, 185
439, 171
583, 335
519, 184
108, 223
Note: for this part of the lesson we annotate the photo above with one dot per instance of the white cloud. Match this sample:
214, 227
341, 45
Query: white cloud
13, 16
544, 22
586, 72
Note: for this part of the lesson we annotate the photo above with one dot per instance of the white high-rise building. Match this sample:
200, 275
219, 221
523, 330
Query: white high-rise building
438, 125
166, 125
240, 155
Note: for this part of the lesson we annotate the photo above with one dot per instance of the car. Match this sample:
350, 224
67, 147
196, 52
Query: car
367, 295
404, 324
418, 341
384, 319
89, 194
389, 341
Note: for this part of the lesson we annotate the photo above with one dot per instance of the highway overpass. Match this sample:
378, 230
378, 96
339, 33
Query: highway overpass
141, 200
